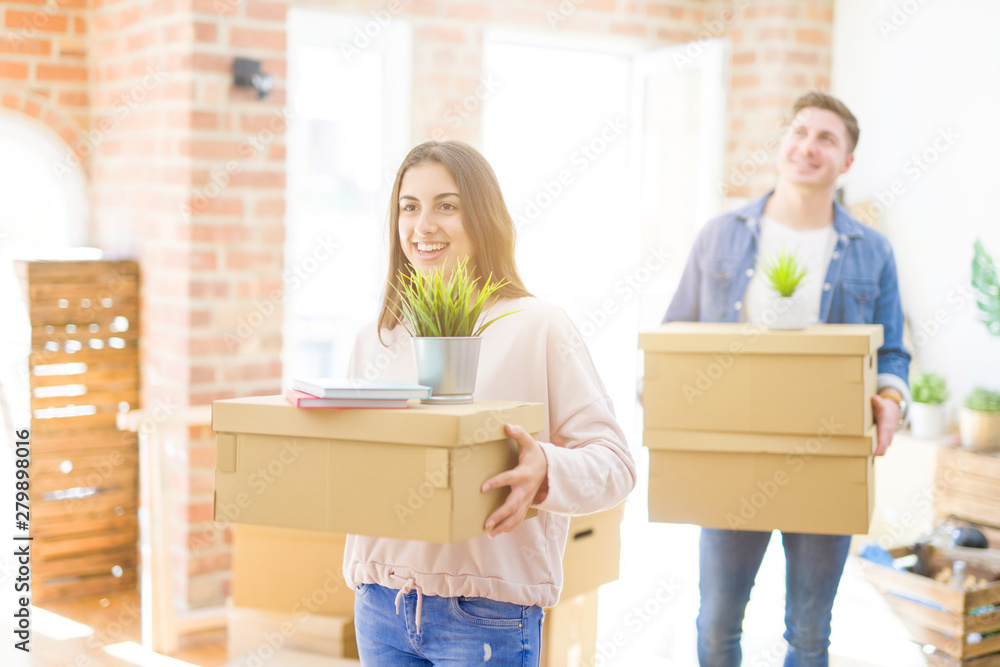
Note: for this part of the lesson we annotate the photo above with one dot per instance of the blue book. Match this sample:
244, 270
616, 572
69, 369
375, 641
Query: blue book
342, 388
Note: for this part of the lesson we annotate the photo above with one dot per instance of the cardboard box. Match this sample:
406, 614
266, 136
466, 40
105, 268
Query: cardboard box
753, 429
409, 474
733, 377
593, 551
569, 633
260, 632
762, 482
309, 563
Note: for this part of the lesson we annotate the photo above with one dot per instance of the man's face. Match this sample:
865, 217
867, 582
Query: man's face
813, 152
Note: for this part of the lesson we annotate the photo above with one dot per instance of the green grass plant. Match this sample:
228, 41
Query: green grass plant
983, 400
928, 388
432, 305
784, 272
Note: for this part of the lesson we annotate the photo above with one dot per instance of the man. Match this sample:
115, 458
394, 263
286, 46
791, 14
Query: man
851, 278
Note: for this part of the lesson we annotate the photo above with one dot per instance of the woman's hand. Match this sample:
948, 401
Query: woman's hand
528, 482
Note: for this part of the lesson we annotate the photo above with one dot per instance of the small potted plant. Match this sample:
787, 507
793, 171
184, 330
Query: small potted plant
980, 420
784, 272
927, 416
442, 315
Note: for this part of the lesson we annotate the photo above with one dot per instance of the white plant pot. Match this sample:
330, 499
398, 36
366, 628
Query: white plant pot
786, 313
927, 421
980, 430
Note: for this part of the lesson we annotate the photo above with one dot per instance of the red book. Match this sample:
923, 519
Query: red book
300, 399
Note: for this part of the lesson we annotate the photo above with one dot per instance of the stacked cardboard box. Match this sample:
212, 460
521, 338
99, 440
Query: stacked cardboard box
289, 594
409, 474
754, 429
592, 559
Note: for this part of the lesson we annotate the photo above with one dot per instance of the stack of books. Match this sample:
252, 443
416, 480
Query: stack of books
337, 393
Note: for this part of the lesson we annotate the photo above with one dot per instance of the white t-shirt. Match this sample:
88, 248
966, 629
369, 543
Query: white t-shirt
814, 247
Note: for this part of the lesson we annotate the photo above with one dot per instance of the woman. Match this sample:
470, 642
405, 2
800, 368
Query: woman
482, 599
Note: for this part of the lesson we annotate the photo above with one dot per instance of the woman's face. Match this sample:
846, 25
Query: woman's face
431, 230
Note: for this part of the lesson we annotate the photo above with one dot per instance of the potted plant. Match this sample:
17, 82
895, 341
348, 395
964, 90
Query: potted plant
980, 420
442, 315
927, 416
785, 272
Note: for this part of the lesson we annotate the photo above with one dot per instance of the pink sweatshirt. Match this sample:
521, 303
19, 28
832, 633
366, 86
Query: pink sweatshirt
535, 355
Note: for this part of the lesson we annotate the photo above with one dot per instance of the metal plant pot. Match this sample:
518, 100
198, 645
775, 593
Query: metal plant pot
448, 366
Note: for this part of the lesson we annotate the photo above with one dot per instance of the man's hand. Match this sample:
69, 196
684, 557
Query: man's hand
886, 413
528, 482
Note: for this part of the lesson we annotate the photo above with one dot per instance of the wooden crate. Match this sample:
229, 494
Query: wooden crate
83, 369
967, 485
934, 612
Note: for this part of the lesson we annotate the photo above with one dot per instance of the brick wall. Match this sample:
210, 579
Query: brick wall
187, 172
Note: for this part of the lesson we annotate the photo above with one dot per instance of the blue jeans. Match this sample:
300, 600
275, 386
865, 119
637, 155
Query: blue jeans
729, 562
452, 631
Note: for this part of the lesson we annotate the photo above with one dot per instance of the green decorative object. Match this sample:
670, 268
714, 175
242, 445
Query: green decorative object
784, 272
987, 288
928, 388
435, 307
983, 400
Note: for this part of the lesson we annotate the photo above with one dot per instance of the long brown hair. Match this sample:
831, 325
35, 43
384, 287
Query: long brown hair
484, 216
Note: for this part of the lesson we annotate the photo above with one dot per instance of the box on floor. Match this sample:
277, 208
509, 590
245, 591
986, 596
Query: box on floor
408, 474
754, 429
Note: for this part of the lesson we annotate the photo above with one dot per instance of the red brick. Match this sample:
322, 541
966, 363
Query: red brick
272, 40
11, 101
80, 25
801, 58
73, 98
276, 152
39, 21
423, 7
437, 33
203, 260
13, 70
204, 120
32, 109
213, 149
266, 11
239, 260
205, 32
745, 81
203, 539
630, 29
61, 73
268, 208
744, 58
772, 33
273, 234
13, 43
813, 37
821, 14
199, 374
275, 122
665, 10
211, 62
207, 289
258, 179
199, 512
470, 12
673, 35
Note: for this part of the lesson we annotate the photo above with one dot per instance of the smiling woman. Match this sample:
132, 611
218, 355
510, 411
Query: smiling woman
484, 596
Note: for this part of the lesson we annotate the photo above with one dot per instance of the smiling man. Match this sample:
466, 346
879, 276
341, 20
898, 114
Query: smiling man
850, 279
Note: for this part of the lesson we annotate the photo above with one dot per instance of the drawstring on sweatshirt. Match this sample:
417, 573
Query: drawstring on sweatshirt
410, 585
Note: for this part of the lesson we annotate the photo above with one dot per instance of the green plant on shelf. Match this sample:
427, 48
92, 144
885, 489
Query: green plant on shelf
928, 388
431, 305
987, 288
983, 400
784, 272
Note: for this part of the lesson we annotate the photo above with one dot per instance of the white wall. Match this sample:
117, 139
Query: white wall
915, 72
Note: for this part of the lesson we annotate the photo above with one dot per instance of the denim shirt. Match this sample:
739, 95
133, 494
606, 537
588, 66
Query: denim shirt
860, 286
